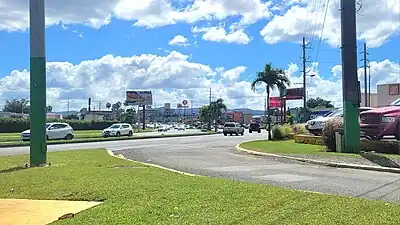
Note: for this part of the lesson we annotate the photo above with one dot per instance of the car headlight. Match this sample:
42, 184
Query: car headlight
388, 119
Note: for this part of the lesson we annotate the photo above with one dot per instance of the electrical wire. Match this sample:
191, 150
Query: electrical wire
322, 30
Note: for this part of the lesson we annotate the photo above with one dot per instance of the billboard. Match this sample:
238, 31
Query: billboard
294, 93
139, 98
274, 102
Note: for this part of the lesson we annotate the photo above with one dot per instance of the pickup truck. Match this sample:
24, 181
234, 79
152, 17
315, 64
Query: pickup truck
232, 128
383, 121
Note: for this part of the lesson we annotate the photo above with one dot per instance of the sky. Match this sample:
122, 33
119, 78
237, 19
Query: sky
179, 49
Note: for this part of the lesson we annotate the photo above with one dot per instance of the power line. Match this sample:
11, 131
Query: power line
322, 30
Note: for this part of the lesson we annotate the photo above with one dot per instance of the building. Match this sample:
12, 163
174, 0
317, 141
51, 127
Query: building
373, 101
235, 117
247, 118
387, 93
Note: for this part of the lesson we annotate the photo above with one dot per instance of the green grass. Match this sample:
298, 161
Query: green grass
79, 134
290, 147
146, 195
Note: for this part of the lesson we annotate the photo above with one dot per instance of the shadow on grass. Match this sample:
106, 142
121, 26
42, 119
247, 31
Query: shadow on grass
380, 159
13, 169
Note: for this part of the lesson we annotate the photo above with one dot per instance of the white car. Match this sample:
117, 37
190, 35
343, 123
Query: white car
315, 126
163, 128
181, 127
54, 131
118, 129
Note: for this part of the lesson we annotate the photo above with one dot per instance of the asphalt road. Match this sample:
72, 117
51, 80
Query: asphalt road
215, 156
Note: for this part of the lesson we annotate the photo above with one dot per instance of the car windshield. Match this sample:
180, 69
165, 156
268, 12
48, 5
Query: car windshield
115, 126
48, 125
337, 113
328, 114
395, 103
229, 125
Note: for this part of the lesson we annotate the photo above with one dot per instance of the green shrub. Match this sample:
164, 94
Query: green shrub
14, 125
279, 132
299, 128
287, 128
328, 134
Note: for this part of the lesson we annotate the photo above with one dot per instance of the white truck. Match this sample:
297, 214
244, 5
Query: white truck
232, 128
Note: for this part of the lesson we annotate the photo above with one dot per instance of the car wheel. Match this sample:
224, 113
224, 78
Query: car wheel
259, 131
47, 137
118, 134
225, 134
242, 133
68, 137
230, 134
236, 134
130, 134
250, 131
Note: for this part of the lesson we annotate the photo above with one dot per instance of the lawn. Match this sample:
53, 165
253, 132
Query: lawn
290, 147
137, 194
79, 134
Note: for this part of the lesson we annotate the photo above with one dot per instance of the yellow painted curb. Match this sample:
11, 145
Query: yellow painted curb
318, 162
120, 156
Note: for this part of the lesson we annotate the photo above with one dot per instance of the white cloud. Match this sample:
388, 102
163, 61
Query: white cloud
218, 34
172, 78
178, 40
377, 20
148, 13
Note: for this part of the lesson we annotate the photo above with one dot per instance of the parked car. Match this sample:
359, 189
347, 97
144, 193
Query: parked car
315, 126
232, 128
255, 127
380, 122
181, 127
118, 129
163, 128
54, 131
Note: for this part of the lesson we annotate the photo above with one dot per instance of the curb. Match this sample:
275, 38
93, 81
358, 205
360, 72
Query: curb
323, 163
120, 156
77, 141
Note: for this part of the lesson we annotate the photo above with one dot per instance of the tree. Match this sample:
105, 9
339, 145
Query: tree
217, 108
17, 106
49, 108
129, 116
108, 105
272, 78
319, 103
204, 113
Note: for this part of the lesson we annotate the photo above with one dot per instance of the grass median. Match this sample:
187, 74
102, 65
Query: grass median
137, 194
290, 147
79, 134
101, 139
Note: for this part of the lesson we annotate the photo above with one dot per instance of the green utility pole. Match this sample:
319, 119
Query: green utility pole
349, 76
38, 147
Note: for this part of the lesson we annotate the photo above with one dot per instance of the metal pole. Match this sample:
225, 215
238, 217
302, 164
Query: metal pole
209, 117
369, 85
38, 146
144, 118
304, 80
365, 76
349, 76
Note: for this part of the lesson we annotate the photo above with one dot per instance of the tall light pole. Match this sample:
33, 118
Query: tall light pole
349, 76
38, 147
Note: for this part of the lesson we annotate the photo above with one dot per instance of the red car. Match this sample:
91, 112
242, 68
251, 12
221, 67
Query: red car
380, 122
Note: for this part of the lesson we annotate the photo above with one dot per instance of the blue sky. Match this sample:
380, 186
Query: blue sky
79, 43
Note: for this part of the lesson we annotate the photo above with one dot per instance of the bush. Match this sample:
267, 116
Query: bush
279, 132
13, 125
328, 134
299, 128
287, 129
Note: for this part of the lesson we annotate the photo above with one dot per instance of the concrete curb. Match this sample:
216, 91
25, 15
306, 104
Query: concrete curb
77, 141
120, 156
319, 162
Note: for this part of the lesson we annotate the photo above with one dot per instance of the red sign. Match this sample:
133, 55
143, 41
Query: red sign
274, 102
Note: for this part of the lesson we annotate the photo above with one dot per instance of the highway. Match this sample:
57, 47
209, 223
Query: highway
215, 156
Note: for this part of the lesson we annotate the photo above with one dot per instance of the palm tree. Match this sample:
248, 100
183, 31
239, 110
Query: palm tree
217, 108
272, 78
108, 105
17, 106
